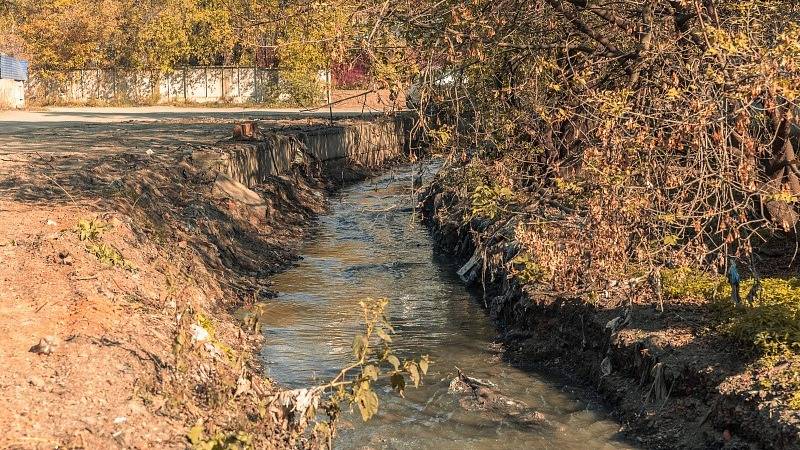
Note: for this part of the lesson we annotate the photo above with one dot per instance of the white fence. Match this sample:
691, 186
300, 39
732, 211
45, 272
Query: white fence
188, 84
12, 94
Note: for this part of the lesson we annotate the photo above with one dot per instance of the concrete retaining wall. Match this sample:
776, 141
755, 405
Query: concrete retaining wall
349, 143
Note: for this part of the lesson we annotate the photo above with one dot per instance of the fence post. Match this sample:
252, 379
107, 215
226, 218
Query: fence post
328, 85
185, 97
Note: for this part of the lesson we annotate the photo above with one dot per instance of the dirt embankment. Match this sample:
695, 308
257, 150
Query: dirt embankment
670, 381
119, 276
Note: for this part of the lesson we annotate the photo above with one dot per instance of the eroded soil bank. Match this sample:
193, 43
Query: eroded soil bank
670, 381
119, 272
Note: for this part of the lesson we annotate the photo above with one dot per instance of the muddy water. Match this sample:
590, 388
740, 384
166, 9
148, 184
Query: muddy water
370, 245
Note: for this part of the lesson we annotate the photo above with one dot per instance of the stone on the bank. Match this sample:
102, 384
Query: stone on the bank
225, 186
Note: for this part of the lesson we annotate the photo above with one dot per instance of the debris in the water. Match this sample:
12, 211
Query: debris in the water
605, 366
465, 272
483, 395
46, 345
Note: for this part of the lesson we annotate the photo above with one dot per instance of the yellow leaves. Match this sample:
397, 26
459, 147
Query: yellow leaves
423, 364
367, 401
725, 42
569, 187
383, 335
673, 93
394, 361
783, 196
370, 372
612, 103
413, 372
488, 201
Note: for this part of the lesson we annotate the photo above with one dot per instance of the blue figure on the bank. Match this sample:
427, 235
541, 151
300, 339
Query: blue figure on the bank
734, 278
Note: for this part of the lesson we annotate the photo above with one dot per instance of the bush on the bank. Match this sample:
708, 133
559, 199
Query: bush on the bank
770, 325
628, 134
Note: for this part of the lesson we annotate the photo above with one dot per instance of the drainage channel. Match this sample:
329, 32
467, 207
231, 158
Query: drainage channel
371, 245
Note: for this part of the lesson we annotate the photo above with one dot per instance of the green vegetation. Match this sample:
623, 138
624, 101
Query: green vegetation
92, 230
109, 256
770, 324
525, 269
489, 201
687, 283
374, 360
220, 441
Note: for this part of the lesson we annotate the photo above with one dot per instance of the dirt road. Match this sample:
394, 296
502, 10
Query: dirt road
110, 130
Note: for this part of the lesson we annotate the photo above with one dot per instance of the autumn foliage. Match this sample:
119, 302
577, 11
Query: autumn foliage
613, 137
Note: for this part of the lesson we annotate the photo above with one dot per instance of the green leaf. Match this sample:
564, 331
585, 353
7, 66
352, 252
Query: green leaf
370, 372
360, 346
382, 334
413, 372
393, 360
367, 402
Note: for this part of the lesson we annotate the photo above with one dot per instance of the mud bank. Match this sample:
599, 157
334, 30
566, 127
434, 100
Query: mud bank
129, 266
668, 380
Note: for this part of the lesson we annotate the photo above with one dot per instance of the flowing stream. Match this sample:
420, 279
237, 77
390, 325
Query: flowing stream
372, 245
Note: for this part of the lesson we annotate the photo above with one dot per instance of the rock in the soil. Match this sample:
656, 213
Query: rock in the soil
46, 345
65, 258
199, 334
36, 381
225, 186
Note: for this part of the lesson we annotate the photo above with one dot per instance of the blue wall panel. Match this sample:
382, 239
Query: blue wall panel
13, 68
